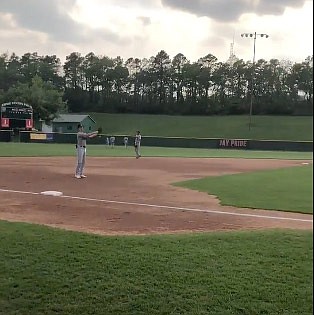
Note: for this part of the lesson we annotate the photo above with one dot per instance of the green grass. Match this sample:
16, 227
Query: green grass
54, 149
234, 127
47, 271
288, 189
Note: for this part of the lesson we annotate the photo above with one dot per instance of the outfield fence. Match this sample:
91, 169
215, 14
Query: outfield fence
174, 142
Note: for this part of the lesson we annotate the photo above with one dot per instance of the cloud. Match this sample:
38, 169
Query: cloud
5, 21
145, 20
231, 10
53, 20
47, 26
127, 3
141, 28
49, 17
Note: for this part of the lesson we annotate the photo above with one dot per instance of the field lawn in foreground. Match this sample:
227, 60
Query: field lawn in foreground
48, 271
54, 149
288, 189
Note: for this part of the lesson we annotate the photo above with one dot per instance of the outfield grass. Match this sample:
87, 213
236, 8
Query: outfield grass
288, 189
55, 149
235, 127
47, 271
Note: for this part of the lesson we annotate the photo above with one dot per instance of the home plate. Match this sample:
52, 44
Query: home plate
305, 163
52, 193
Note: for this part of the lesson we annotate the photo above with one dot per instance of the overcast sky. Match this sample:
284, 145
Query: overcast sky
142, 28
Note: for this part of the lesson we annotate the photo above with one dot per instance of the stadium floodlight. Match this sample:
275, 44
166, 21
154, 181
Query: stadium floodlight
254, 35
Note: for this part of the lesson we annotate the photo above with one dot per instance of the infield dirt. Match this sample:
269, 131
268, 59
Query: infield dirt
130, 196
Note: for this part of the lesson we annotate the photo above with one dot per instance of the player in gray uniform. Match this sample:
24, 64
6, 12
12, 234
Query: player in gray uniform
112, 141
137, 144
126, 141
81, 149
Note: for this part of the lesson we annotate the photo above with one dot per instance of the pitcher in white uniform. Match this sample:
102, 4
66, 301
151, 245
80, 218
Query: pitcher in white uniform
81, 149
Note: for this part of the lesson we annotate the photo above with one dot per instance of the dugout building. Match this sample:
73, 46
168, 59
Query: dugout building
67, 123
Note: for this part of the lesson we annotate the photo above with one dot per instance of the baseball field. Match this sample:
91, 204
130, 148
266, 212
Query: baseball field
178, 231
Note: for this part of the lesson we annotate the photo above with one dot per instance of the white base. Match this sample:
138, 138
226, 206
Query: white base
52, 193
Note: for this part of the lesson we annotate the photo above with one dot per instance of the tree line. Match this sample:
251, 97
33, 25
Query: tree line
156, 85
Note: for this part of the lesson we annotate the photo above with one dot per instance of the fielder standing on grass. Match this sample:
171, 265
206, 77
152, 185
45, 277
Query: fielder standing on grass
126, 141
81, 149
137, 144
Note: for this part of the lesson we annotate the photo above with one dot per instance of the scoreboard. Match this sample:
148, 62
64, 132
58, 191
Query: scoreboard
16, 115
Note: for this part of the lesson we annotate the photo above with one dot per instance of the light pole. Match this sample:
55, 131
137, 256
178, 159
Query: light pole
254, 36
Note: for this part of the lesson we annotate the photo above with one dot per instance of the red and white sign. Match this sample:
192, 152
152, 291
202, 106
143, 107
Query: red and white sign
5, 122
29, 123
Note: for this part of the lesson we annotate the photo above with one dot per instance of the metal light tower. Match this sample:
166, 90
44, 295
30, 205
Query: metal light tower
254, 36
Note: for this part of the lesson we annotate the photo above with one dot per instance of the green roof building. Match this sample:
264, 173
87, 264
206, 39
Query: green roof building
67, 123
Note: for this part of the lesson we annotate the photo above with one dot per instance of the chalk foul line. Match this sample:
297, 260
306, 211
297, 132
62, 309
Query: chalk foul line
161, 206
